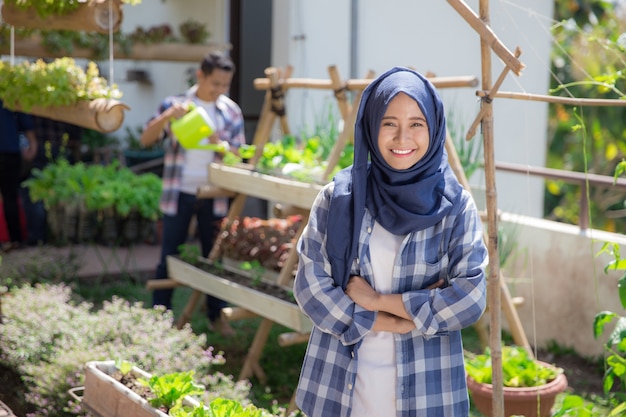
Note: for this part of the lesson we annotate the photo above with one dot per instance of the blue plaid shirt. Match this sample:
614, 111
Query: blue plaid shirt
430, 368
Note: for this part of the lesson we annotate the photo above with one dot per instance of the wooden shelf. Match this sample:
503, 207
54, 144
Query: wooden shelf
178, 52
279, 311
254, 184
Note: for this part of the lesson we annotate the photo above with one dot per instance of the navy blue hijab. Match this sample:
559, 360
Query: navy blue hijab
402, 201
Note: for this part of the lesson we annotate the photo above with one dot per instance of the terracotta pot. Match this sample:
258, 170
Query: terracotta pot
529, 402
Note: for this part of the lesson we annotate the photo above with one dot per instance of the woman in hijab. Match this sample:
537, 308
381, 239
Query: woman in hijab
391, 266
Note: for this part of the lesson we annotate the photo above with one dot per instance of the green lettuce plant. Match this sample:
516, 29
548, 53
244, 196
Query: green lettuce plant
170, 389
519, 369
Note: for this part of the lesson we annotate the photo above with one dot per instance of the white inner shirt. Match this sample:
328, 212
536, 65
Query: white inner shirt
196, 167
375, 387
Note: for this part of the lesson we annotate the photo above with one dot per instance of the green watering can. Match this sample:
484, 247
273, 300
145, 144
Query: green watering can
193, 128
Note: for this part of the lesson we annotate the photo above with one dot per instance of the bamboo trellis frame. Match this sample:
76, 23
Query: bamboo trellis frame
489, 42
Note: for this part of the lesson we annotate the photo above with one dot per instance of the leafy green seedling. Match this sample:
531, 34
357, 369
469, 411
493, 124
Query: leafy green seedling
124, 366
519, 369
170, 389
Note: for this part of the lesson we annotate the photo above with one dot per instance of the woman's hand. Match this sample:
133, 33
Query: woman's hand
362, 293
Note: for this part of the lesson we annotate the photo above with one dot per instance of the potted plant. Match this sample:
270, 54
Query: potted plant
530, 385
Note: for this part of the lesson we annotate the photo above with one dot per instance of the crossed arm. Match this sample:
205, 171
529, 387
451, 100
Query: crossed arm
392, 316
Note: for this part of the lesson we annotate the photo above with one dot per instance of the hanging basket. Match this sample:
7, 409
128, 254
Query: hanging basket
94, 16
101, 114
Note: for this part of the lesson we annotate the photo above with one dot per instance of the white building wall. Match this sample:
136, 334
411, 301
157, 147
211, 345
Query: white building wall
431, 37
167, 77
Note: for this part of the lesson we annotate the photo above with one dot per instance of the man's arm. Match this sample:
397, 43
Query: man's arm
152, 131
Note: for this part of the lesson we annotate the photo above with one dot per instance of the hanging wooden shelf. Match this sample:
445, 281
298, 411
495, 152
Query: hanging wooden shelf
269, 187
100, 114
94, 16
169, 51
280, 311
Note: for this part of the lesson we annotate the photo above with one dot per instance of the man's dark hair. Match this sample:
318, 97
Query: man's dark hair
216, 60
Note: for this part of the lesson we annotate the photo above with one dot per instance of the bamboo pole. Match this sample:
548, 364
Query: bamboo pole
573, 101
101, 114
360, 84
347, 134
493, 281
340, 89
509, 303
487, 37
489, 96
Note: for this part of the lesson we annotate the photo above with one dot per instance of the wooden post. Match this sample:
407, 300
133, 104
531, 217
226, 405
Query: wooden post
493, 281
347, 134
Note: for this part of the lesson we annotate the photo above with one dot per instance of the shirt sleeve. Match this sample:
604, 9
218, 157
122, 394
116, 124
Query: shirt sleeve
462, 300
326, 304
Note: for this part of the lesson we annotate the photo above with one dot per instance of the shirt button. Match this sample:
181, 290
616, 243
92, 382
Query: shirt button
350, 387
352, 353
369, 230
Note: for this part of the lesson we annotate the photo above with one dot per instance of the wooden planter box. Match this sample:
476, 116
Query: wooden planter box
279, 311
93, 16
268, 187
106, 397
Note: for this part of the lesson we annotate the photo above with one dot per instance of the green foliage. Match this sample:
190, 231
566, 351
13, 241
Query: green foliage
575, 406
124, 366
519, 369
98, 186
45, 8
59, 83
255, 268
170, 389
588, 63
470, 153
189, 253
220, 407
47, 337
615, 346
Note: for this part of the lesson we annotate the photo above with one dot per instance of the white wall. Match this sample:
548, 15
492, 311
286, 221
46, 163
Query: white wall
167, 77
431, 37
557, 270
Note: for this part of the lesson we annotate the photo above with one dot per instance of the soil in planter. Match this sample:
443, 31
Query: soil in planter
265, 287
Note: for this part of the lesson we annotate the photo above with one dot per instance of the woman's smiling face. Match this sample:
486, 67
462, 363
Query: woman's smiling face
403, 137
